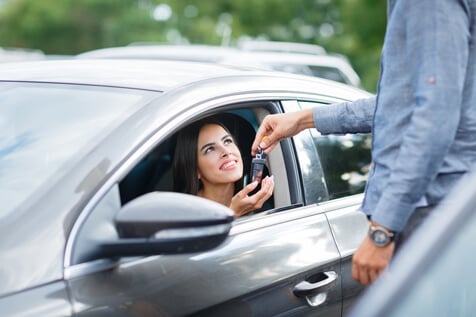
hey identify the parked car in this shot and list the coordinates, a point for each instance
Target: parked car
(90, 225)
(280, 46)
(185, 52)
(333, 67)
(433, 275)
(17, 54)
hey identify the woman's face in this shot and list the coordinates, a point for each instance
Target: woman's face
(219, 159)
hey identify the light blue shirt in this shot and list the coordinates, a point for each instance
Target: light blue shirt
(423, 118)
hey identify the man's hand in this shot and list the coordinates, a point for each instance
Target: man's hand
(370, 261)
(276, 127)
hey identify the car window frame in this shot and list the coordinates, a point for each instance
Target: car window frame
(288, 158)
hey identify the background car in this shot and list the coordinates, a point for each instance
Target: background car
(333, 67)
(16, 54)
(185, 52)
(89, 225)
(295, 59)
(433, 274)
(279, 46)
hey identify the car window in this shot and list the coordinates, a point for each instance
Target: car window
(345, 160)
(329, 73)
(36, 122)
(154, 172)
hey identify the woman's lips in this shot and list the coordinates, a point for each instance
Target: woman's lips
(228, 165)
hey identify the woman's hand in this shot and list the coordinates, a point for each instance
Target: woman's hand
(242, 204)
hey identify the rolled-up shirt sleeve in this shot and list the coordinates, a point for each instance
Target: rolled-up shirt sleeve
(345, 117)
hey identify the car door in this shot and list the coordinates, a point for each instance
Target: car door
(344, 161)
(276, 265)
(284, 261)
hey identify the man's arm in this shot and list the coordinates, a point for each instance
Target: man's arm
(345, 117)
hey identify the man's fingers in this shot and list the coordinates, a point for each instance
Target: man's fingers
(363, 275)
(370, 261)
(373, 274)
(263, 131)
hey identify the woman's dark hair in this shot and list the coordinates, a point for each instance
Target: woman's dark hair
(185, 159)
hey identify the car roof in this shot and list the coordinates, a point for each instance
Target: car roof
(291, 58)
(279, 46)
(268, 58)
(195, 52)
(142, 74)
(12, 54)
(151, 75)
(230, 56)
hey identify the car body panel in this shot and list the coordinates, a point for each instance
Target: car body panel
(42, 301)
(203, 278)
(265, 256)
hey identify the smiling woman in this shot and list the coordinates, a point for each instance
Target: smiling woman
(208, 163)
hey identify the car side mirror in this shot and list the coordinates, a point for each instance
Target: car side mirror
(168, 223)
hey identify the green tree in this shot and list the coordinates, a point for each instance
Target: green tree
(71, 26)
(361, 37)
(354, 28)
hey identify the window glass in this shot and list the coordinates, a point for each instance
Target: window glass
(328, 73)
(45, 127)
(345, 160)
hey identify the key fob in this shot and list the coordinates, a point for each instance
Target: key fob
(257, 166)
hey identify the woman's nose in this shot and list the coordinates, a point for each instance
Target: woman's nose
(225, 152)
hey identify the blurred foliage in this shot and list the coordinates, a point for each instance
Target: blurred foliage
(354, 28)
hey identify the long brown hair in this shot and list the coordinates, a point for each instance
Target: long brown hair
(185, 158)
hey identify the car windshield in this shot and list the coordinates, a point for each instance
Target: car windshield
(45, 127)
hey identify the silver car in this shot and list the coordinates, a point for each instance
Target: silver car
(329, 66)
(90, 225)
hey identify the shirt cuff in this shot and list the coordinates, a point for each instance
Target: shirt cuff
(392, 213)
(326, 119)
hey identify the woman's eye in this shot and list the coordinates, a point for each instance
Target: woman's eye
(208, 150)
(228, 141)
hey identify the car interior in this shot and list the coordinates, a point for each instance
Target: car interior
(154, 172)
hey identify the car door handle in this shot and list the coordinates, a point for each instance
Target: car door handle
(318, 283)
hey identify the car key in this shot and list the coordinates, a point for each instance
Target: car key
(257, 165)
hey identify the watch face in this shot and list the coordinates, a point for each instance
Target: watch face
(379, 237)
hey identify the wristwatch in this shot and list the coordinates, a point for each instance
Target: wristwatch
(380, 236)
